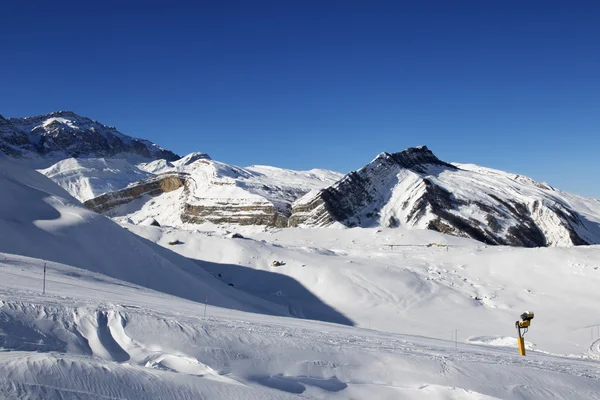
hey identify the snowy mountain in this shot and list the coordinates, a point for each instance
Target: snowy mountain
(413, 188)
(133, 178)
(140, 312)
(86, 178)
(196, 189)
(48, 138)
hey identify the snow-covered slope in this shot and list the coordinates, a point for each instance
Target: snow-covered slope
(46, 139)
(86, 178)
(92, 337)
(39, 219)
(414, 188)
(212, 191)
(110, 324)
(143, 345)
(411, 281)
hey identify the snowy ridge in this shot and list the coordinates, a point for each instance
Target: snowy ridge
(215, 192)
(86, 178)
(414, 188)
(46, 139)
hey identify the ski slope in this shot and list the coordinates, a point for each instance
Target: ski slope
(93, 337)
(138, 312)
(410, 287)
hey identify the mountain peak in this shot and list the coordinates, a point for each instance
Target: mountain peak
(64, 113)
(192, 158)
(64, 134)
(414, 188)
(413, 158)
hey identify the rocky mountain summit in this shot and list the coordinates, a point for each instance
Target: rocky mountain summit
(414, 188)
(63, 134)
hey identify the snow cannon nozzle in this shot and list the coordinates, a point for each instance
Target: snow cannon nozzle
(527, 316)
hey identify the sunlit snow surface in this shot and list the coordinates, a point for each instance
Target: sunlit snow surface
(145, 335)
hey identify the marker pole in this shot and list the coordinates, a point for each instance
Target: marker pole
(205, 302)
(44, 287)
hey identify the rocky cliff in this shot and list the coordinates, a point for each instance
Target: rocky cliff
(154, 186)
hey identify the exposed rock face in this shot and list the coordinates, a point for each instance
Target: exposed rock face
(234, 214)
(64, 134)
(358, 190)
(215, 192)
(414, 188)
(150, 187)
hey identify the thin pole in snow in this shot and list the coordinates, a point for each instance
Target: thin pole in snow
(206, 301)
(44, 287)
(456, 339)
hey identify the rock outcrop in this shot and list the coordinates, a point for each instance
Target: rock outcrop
(151, 187)
(215, 192)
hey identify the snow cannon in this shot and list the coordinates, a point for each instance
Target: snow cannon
(522, 328)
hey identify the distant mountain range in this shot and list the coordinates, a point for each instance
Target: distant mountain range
(138, 180)
(64, 134)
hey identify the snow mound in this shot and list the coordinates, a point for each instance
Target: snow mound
(499, 341)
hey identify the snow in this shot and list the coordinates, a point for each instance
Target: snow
(352, 313)
(228, 188)
(93, 337)
(484, 203)
(156, 166)
(59, 120)
(46, 139)
(39, 219)
(86, 178)
(398, 289)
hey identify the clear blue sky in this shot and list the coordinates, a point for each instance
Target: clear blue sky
(513, 85)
